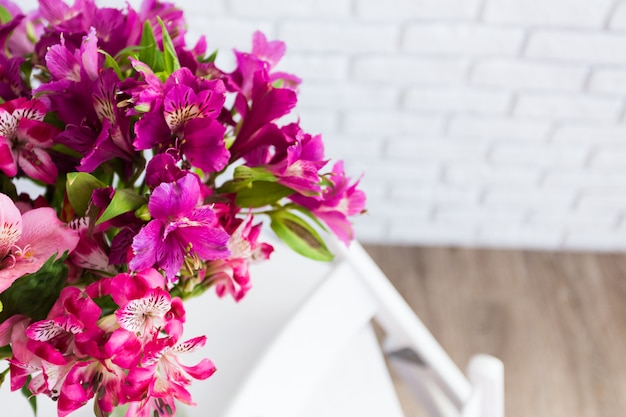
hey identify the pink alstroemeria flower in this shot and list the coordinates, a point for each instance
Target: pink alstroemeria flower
(293, 156)
(183, 115)
(231, 275)
(27, 241)
(23, 140)
(264, 57)
(180, 228)
(146, 308)
(339, 201)
(80, 360)
(161, 378)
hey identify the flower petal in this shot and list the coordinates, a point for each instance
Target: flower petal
(204, 145)
(146, 246)
(175, 199)
(10, 225)
(46, 234)
(45, 330)
(38, 165)
(7, 159)
(136, 315)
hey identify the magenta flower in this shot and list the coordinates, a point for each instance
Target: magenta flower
(180, 228)
(79, 360)
(27, 241)
(11, 84)
(45, 350)
(267, 105)
(85, 97)
(264, 57)
(339, 200)
(184, 116)
(171, 16)
(162, 168)
(90, 253)
(293, 156)
(115, 28)
(23, 140)
(161, 378)
(144, 303)
(231, 275)
(14, 34)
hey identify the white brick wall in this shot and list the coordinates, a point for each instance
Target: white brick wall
(477, 122)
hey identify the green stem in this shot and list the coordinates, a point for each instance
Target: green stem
(3, 375)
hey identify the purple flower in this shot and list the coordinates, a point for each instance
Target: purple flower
(183, 115)
(339, 200)
(11, 84)
(171, 16)
(85, 98)
(162, 168)
(265, 55)
(179, 229)
(115, 29)
(267, 105)
(293, 156)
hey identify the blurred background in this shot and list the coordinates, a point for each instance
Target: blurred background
(475, 122)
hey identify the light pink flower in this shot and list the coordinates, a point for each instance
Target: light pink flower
(231, 275)
(27, 241)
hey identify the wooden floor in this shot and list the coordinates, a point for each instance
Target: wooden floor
(556, 320)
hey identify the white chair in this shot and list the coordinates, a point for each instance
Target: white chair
(301, 344)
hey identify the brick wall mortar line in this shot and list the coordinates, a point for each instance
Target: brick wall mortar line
(576, 200)
(606, 24)
(523, 51)
(622, 115)
(554, 127)
(619, 221)
(512, 104)
(447, 124)
(480, 16)
(587, 80)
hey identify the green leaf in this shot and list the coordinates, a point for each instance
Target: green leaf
(32, 399)
(123, 201)
(79, 187)
(5, 15)
(34, 294)
(7, 187)
(310, 215)
(106, 304)
(149, 52)
(208, 59)
(243, 176)
(261, 193)
(110, 62)
(169, 52)
(4, 373)
(5, 352)
(126, 52)
(299, 235)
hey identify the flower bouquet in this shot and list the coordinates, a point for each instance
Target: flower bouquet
(153, 166)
